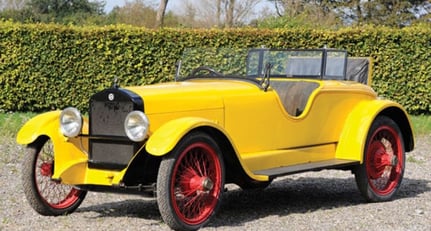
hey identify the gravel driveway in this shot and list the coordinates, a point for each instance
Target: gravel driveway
(325, 200)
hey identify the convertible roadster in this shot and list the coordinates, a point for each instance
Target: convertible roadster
(241, 116)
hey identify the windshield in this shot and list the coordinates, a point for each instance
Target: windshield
(261, 62)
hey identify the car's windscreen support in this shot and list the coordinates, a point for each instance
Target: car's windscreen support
(178, 69)
(266, 76)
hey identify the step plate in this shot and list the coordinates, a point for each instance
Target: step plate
(327, 164)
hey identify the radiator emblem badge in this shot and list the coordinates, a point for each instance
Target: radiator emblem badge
(111, 96)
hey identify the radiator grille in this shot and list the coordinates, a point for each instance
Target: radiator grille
(109, 146)
(107, 118)
(111, 155)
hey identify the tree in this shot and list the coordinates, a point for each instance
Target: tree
(379, 12)
(65, 7)
(292, 8)
(64, 11)
(141, 13)
(136, 13)
(161, 13)
(304, 14)
(385, 12)
(12, 4)
(58, 11)
(221, 13)
(229, 7)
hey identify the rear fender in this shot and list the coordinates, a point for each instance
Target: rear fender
(353, 137)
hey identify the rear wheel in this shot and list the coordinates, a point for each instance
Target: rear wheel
(190, 182)
(45, 195)
(379, 176)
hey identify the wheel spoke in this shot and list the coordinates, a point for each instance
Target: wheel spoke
(55, 194)
(194, 191)
(45, 195)
(384, 167)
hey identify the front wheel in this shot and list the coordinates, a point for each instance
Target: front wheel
(190, 182)
(46, 196)
(379, 176)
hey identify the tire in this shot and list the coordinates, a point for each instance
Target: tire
(190, 182)
(379, 176)
(46, 196)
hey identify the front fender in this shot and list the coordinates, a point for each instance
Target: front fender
(44, 124)
(353, 137)
(69, 153)
(164, 139)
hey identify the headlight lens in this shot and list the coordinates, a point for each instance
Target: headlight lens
(70, 122)
(136, 126)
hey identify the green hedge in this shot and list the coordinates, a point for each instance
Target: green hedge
(45, 67)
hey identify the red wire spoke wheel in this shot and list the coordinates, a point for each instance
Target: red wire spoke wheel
(380, 175)
(190, 183)
(46, 196)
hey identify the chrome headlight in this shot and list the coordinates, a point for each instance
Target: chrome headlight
(70, 122)
(136, 126)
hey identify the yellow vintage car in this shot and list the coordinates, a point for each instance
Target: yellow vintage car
(241, 116)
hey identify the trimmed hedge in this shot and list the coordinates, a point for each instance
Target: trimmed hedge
(44, 66)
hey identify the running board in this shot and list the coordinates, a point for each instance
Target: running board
(312, 166)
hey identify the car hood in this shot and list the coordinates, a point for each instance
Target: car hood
(190, 95)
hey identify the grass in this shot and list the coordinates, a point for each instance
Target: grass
(412, 159)
(10, 123)
(421, 124)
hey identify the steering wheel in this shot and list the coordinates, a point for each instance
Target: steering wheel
(211, 72)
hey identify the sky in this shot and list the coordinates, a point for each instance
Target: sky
(172, 4)
(112, 3)
(177, 6)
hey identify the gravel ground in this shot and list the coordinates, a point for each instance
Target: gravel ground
(325, 200)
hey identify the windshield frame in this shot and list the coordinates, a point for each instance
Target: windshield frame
(328, 64)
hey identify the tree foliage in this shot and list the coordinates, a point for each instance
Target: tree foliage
(219, 13)
(328, 14)
(12, 4)
(385, 12)
(57, 11)
(53, 66)
(392, 13)
(136, 13)
(302, 14)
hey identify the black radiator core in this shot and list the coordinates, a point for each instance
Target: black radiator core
(110, 148)
(107, 118)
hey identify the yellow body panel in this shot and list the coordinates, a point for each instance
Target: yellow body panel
(43, 124)
(354, 134)
(167, 136)
(278, 158)
(293, 140)
(263, 135)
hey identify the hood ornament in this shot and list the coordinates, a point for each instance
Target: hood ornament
(115, 84)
